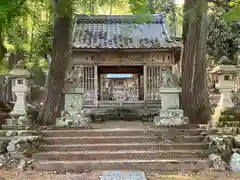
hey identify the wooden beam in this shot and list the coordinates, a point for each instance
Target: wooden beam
(121, 69)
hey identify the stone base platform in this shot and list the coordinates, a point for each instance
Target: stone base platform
(16, 127)
(122, 145)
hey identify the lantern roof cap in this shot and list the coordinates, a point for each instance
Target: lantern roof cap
(19, 71)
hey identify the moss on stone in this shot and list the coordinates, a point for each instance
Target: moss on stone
(221, 145)
(230, 111)
(226, 118)
(229, 115)
(229, 124)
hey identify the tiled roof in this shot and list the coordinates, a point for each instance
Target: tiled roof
(121, 32)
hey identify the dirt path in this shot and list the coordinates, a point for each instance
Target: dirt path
(33, 175)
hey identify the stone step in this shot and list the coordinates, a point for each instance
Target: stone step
(150, 125)
(150, 165)
(123, 146)
(121, 132)
(116, 155)
(120, 139)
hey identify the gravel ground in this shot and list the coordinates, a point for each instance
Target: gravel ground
(34, 175)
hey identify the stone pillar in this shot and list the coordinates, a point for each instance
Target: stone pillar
(225, 101)
(145, 81)
(170, 98)
(169, 113)
(19, 107)
(96, 85)
(225, 87)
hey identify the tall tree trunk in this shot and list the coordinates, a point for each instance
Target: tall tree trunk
(3, 50)
(195, 99)
(2, 78)
(174, 19)
(1, 58)
(59, 63)
(12, 60)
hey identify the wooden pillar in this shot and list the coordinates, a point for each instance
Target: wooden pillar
(99, 86)
(96, 85)
(145, 81)
(139, 87)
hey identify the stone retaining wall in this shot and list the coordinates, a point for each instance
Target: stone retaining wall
(224, 149)
(17, 148)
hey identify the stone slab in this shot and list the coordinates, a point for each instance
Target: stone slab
(123, 175)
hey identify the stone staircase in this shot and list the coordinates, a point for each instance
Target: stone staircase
(165, 149)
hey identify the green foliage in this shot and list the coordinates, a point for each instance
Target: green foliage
(173, 14)
(231, 8)
(9, 10)
(26, 25)
(42, 40)
(27, 30)
(3, 66)
(223, 38)
(63, 8)
(139, 6)
(101, 6)
(234, 13)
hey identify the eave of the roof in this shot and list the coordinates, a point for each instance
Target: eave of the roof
(126, 50)
(82, 18)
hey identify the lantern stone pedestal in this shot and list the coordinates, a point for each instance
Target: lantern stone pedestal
(18, 117)
(73, 114)
(170, 97)
(170, 114)
(225, 101)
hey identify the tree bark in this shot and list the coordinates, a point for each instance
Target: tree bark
(3, 50)
(58, 65)
(1, 58)
(1, 87)
(195, 101)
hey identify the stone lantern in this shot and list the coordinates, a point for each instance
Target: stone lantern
(19, 76)
(224, 75)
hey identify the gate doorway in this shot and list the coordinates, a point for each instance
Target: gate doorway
(120, 83)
